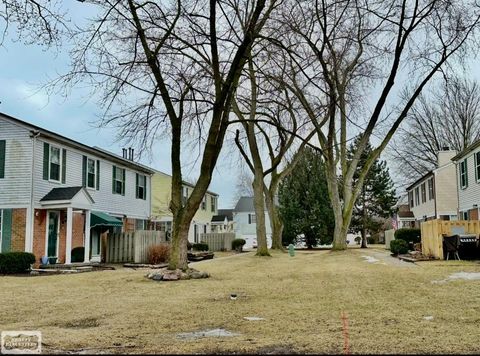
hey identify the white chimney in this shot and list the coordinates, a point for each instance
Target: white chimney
(445, 156)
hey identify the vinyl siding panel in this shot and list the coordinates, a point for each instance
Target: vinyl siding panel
(104, 199)
(471, 195)
(446, 183)
(15, 186)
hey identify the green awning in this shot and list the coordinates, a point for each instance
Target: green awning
(97, 218)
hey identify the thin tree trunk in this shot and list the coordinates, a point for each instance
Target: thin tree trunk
(364, 222)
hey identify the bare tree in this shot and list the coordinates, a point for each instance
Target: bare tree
(354, 47)
(273, 124)
(170, 67)
(36, 21)
(446, 116)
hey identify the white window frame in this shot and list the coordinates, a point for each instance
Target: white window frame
(116, 168)
(417, 196)
(252, 218)
(60, 153)
(144, 186)
(94, 174)
(423, 191)
(463, 174)
(213, 202)
(204, 203)
(431, 191)
(477, 165)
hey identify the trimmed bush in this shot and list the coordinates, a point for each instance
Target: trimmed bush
(78, 254)
(237, 244)
(398, 247)
(202, 246)
(158, 254)
(409, 235)
(16, 262)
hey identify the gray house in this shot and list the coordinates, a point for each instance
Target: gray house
(245, 223)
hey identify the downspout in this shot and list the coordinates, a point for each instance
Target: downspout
(33, 136)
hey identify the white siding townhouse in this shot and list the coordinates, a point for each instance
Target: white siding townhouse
(57, 194)
(467, 165)
(245, 223)
(434, 196)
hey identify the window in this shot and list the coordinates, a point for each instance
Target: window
(417, 196)
(477, 166)
(91, 173)
(55, 167)
(185, 195)
(140, 224)
(410, 199)
(2, 158)
(431, 192)
(204, 203)
(213, 201)
(118, 180)
(424, 193)
(463, 174)
(252, 219)
(465, 215)
(141, 188)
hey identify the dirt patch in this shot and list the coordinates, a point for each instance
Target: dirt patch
(465, 276)
(206, 333)
(81, 323)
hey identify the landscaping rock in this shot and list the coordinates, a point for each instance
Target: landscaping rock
(167, 275)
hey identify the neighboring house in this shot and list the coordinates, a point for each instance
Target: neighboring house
(403, 217)
(245, 222)
(57, 194)
(162, 216)
(434, 196)
(467, 165)
(223, 222)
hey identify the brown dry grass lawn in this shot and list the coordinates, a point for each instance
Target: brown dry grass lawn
(301, 299)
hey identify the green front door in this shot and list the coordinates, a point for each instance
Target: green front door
(53, 217)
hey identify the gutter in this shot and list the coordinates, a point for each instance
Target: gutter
(33, 135)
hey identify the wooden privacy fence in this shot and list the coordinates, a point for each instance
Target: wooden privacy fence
(132, 246)
(432, 231)
(218, 241)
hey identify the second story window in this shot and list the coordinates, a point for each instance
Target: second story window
(204, 203)
(477, 166)
(2, 158)
(213, 201)
(431, 192)
(424, 193)
(417, 196)
(252, 218)
(55, 167)
(410, 199)
(141, 187)
(463, 174)
(118, 180)
(91, 173)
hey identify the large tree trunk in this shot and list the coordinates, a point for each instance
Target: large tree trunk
(178, 252)
(364, 238)
(276, 223)
(259, 205)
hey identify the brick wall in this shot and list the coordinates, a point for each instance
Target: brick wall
(19, 220)
(39, 226)
(473, 214)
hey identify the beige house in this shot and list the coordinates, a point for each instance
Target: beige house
(467, 165)
(161, 216)
(434, 196)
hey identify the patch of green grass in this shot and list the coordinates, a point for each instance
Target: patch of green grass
(301, 298)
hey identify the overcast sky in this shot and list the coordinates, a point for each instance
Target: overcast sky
(23, 68)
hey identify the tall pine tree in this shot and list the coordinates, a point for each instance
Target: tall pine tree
(377, 197)
(305, 208)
